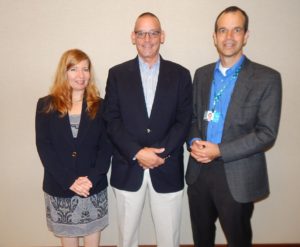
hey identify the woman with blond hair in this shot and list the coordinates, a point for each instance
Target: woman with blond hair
(75, 152)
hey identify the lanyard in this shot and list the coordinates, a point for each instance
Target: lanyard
(221, 91)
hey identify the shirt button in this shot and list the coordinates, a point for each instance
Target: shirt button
(148, 131)
(74, 154)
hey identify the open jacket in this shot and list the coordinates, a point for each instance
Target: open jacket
(250, 128)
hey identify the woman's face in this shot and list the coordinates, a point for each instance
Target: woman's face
(78, 76)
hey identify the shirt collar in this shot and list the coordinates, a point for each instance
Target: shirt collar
(231, 70)
(144, 65)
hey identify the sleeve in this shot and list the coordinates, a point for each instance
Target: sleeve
(104, 154)
(194, 131)
(178, 130)
(46, 150)
(119, 136)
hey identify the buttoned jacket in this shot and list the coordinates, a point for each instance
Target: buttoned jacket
(130, 128)
(65, 158)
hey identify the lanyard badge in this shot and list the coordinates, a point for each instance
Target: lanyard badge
(213, 116)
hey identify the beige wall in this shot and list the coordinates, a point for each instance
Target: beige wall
(33, 35)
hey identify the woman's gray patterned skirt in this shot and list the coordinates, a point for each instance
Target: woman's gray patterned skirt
(76, 216)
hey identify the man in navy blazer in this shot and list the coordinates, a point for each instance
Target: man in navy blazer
(235, 120)
(148, 107)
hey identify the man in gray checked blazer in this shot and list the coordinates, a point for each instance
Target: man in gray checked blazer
(236, 116)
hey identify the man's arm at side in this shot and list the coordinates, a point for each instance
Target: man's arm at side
(178, 131)
(119, 136)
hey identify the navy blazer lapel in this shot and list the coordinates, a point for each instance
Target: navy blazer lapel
(241, 89)
(85, 121)
(136, 90)
(63, 125)
(163, 84)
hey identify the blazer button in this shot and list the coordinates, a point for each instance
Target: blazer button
(74, 154)
(148, 131)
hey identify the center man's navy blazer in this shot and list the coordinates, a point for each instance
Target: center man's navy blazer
(130, 128)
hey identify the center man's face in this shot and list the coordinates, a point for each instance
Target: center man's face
(147, 37)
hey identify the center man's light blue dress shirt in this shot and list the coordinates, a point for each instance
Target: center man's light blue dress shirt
(149, 80)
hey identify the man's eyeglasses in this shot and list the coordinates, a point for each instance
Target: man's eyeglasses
(151, 34)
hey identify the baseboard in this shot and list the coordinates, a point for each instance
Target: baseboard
(224, 245)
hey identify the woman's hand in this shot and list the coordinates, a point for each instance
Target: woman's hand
(82, 186)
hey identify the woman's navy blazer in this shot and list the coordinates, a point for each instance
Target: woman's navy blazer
(66, 158)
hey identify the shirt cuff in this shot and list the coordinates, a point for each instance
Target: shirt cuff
(194, 139)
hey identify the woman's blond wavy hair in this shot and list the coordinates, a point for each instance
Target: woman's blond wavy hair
(61, 92)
